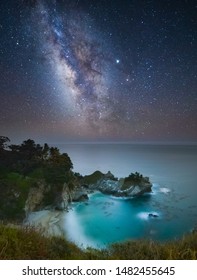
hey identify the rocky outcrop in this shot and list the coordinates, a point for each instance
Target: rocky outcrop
(80, 194)
(151, 215)
(43, 196)
(133, 185)
(77, 194)
(106, 186)
(36, 195)
(114, 187)
(137, 190)
(110, 176)
(62, 199)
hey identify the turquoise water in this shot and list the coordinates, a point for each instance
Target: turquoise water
(106, 219)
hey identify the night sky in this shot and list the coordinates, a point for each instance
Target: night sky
(106, 70)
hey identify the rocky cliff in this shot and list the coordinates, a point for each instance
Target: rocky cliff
(44, 196)
(112, 187)
(20, 196)
(133, 185)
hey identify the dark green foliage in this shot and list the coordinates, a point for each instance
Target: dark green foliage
(14, 190)
(78, 175)
(93, 178)
(30, 157)
(29, 150)
(57, 167)
(55, 175)
(37, 173)
(23, 165)
(135, 179)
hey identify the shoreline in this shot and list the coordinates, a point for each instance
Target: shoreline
(67, 224)
(75, 233)
(56, 223)
(48, 221)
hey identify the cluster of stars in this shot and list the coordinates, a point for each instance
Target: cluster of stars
(93, 69)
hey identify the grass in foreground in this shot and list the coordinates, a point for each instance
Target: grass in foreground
(27, 243)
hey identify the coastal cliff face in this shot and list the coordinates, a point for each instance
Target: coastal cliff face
(36, 195)
(45, 196)
(35, 177)
(21, 196)
(135, 185)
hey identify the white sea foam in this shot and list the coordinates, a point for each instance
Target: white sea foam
(75, 233)
(90, 195)
(164, 190)
(49, 221)
(145, 215)
(154, 189)
(119, 197)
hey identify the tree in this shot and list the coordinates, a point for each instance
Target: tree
(60, 160)
(67, 161)
(45, 152)
(15, 148)
(58, 167)
(135, 178)
(54, 156)
(29, 150)
(26, 157)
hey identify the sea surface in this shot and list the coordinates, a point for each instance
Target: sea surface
(106, 219)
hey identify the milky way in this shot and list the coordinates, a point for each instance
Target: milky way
(75, 53)
(86, 70)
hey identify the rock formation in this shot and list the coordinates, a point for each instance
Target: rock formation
(42, 195)
(114, 187)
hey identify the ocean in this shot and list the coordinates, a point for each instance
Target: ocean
(104, 219)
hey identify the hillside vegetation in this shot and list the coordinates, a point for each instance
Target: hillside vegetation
(26, 166)
(27, 243)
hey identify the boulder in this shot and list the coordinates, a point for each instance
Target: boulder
(151, 215)
(138, 190)
(80, 195)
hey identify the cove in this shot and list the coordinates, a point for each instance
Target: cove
(172, 170)
(106, 219)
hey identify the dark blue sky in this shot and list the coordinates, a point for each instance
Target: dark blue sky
(98, 70)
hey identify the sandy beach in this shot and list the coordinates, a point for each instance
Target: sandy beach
(51, 222)
(56, 223)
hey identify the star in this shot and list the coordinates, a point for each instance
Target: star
(99, 69)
